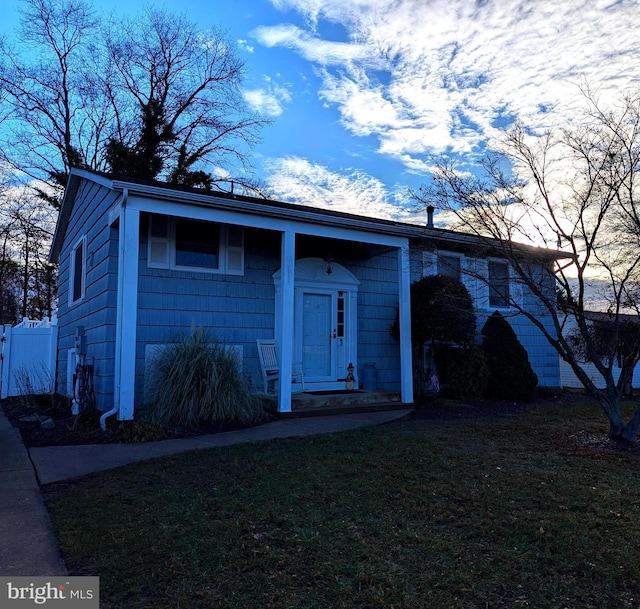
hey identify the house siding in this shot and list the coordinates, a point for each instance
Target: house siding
(377, 306)
(542, 356)
(96, 312)
(233, 309)
(238, 309)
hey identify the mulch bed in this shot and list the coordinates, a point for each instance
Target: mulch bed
(441, 410)
(603, 443)
(70, 429)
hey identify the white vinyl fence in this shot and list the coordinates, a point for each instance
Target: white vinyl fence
(569, 379)
(28, 357)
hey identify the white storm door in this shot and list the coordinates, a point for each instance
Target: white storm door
(317, 318)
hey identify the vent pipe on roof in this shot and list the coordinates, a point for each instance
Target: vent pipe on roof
(430, 211)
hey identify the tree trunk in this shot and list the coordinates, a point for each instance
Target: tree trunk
(610, 403)
(633, 426)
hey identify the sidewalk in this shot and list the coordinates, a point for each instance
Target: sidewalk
(28, 545)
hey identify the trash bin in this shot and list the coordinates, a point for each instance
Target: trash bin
(370, 377)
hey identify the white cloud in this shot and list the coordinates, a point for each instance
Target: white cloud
(297, 180)
(428, 76)
(269, 101)
(309, 46)
(244, 44)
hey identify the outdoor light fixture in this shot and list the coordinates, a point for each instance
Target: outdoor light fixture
(329, 261)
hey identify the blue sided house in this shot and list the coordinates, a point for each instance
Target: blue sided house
(142, 262)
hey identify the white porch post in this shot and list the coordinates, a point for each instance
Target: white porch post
(127, 312)
(284, 339)
(404, 287)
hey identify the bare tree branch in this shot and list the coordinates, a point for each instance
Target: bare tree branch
(576, 189)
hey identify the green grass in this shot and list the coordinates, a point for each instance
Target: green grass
(488, 513)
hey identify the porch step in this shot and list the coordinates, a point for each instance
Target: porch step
(335, 402)
(324, 399)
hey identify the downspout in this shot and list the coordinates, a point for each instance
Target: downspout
(119, 314)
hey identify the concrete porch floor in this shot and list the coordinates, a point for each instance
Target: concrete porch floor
(337, 402)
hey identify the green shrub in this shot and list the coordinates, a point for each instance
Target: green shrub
(196, 380)
(441, 313)
(511, 376)
(463, 372)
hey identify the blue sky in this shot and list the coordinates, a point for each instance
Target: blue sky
(362, 92)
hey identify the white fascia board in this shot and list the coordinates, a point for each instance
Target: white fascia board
(250, 219)
(93, 177)
(314, 217)
(73, 184)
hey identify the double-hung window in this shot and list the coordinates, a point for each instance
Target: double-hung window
(77, 271)
(195, 245)
(450, 265)
(498, 284)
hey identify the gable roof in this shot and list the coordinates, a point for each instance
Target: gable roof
(270, 207)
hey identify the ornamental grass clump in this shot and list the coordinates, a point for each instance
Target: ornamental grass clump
(196, 381)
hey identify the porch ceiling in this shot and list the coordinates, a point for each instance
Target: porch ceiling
(308, 246)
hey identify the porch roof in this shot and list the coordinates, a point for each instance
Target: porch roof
(271, 208)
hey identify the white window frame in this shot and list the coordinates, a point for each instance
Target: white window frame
(225, 249)
(82, 242)
(509, 282)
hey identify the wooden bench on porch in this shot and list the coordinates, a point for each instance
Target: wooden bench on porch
(267, 352)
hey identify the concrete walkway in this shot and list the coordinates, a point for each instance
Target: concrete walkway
(28, 545)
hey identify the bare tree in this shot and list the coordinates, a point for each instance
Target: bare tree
(152, 97)
(176, 94)
(575, 189)
(49, 98)
(27, 279)
(9, 278)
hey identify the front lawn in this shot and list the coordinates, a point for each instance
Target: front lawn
(487, 513)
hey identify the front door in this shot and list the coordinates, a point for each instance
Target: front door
(325, 322)
(317, 318)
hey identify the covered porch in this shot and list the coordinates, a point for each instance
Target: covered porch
(332, 316)
(325, 282)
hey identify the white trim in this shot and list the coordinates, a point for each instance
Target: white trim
(284, 334)
(127, 313)
(404, 319)
(269, 222)
(82, 241)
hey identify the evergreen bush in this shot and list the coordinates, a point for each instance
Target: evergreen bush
(463, 371)
(442, 313)
(510, 374)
